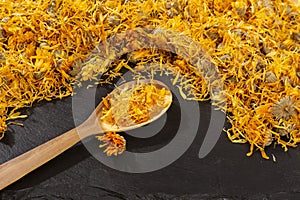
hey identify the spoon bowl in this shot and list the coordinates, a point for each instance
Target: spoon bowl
(18, 167)
(109, 127)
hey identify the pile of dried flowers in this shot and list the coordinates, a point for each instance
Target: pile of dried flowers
(254, 44)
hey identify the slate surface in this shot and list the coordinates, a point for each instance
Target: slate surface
(226, 173)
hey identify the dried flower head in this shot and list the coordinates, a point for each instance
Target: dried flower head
(270, 77)
(173, 8)
(114, 20)
(285, 130)
(284, 109)
(240, 8)
(267, 138)
(115, 143)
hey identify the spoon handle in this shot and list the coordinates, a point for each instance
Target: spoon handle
(18, 167)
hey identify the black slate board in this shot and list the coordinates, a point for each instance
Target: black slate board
(226, 173)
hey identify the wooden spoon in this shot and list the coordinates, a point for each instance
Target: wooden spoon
(18, 167)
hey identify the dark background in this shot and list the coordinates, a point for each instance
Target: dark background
(226, 173)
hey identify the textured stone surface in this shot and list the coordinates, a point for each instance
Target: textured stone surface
(226, 173)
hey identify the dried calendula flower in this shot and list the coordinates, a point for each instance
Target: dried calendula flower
(285, 130)
(270, 77)
(38, 75)
(267, 138)
(172, 4)
(114, 143)
(114, 20)
(172, 7)
(213, 33)
(284, 109)
(240, 7)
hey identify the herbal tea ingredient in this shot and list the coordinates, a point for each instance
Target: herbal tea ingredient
(115, 144)
(254, 45)
(128, 107)
(135, 105)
